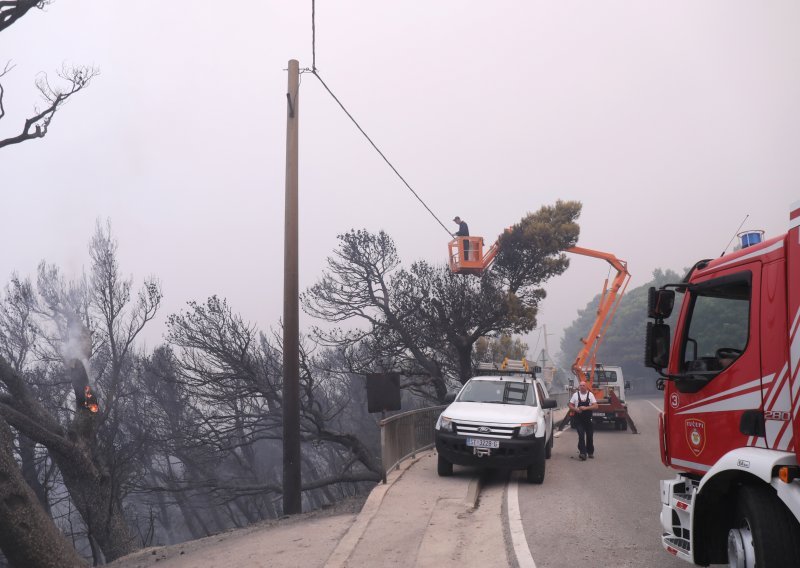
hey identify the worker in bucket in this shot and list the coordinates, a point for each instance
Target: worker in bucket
(582, 404)
(463, 231)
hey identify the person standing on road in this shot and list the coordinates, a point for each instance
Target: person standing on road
(583, 403)
(463, 231)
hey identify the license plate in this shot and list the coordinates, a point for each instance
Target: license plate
(483, 443)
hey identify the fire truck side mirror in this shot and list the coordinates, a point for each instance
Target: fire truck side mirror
(660, 303)
(656, 350)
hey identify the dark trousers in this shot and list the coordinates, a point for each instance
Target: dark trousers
(585, 430)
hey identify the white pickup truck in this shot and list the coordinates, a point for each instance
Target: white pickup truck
(501, 420)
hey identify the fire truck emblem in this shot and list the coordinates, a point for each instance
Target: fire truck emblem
(696, 435)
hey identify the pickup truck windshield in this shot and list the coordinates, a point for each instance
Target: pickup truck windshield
(500, 392)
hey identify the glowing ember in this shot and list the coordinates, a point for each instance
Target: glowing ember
(89, 400)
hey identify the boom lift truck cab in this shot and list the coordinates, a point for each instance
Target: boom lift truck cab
(730, 423)
(610, 381)
(501, 418)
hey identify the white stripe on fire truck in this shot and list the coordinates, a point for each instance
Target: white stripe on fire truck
(692, 465)
(775, 387)
(778, 402)
(794, 347)
(794, 356)
(784, 437)
(755, 254)
(795, 406)
(769, 398)
(781, 440)
(742, 401)
(756, 384)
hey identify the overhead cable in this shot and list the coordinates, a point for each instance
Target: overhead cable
(350, 116)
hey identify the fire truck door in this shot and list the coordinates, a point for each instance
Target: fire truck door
(720, 360)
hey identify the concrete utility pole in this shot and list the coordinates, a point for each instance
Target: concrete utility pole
(291, 304)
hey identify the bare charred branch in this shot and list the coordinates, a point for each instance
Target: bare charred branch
(75, 78)
(13, 10)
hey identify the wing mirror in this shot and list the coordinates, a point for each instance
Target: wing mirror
(549, 403)
(660, 303)
(656, 350)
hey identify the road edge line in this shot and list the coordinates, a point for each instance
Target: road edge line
(654, 406)
(518, 541)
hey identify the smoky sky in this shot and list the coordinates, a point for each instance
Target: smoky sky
(670, 122)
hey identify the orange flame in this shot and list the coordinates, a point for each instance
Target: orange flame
(89, 400)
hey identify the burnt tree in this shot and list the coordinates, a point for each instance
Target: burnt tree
(424, 321)
(28, 536)
(84, 326)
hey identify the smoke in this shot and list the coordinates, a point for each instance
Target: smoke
(77, 345)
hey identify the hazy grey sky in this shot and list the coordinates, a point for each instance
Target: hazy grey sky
(670, 121)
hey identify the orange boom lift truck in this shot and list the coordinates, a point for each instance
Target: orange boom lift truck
(585, 367)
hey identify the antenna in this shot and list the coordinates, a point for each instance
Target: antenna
(734, 234)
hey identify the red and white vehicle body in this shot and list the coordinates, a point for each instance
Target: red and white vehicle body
(731, 402)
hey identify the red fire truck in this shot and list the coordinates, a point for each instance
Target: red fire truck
(730, 423)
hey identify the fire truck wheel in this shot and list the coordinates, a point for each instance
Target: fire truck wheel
(536, 470)
(548, 449)
(444, 468)
(623, 424)
(765, 533)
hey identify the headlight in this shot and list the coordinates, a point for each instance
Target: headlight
(527, 429)
(444, 424)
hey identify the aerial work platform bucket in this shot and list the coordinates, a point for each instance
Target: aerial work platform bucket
(467, 257)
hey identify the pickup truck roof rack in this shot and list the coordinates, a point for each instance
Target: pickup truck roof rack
(508, 367)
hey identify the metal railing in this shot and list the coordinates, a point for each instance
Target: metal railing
(405, 434)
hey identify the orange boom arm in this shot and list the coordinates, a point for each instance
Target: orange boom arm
(585, 362)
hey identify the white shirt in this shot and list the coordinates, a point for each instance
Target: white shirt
(574, 400)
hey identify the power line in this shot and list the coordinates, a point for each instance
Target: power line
(316, 74)
(350, 116)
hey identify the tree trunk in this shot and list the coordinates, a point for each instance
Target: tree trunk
(27, 450)
(92, 492)
(464, 361)
(28, 536)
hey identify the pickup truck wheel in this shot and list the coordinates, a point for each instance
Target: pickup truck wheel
(548, 450)
(536, 469)
(443, 467)
(764, 533)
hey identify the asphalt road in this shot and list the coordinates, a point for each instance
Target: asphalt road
(601, 512)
